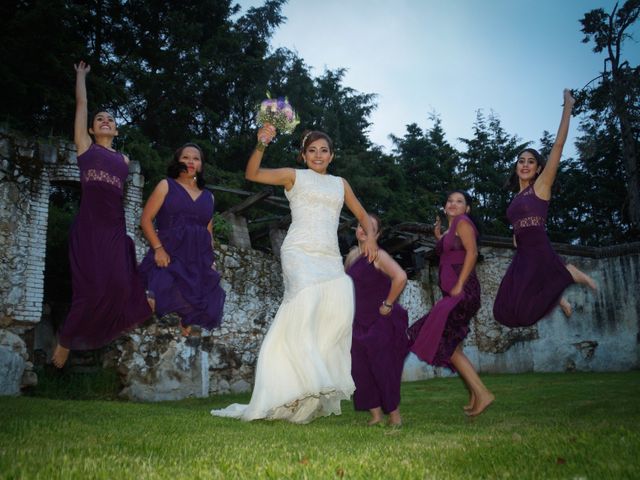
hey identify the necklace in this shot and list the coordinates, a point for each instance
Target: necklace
(191, 183)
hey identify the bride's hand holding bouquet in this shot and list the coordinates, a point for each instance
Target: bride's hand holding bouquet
(266, 133)
(275, 115)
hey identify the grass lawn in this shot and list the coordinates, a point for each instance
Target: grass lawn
(571, 425)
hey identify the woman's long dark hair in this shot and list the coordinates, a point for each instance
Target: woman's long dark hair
(513, 184)
(175, 167)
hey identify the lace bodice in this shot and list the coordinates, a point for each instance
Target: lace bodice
(103, 175)
(93, 175)
(527, 210)
(316, 201)
(101, 166)
(310, 252)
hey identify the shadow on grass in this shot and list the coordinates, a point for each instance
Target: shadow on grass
(105, 385)
(102, 384)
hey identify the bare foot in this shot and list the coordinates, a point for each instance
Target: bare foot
(394, 419)
(482, 403)
(60, 355)
(376, 416)
(472, 400)
(186, 331)
(152, 304)
(566, 307)
(580, 277)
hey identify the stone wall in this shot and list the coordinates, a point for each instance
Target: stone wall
(157, 363)
(601, 335)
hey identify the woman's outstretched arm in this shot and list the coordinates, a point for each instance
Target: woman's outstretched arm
(548, 175)
(80, 133)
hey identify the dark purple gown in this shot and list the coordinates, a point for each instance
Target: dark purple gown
(108, 294)
(379, 343)
(435, 336)
(537, 276)
(189, 286)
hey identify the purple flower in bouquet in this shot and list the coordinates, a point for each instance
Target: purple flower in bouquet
(279, 113)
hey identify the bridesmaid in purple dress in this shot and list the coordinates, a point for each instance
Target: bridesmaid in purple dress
(379, 340)
(437, 337)
(179, 269)
(537, 276)
(108, 294)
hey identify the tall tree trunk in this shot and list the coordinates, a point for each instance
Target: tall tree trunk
(629, 152)
(619, 89)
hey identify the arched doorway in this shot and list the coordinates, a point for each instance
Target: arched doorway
(64, 202)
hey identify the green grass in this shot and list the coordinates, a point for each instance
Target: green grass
(580, 425)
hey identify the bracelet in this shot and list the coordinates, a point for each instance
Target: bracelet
(159, 246)
(260, 146)
(385, 304)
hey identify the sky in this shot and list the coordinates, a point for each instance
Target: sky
(451, 58)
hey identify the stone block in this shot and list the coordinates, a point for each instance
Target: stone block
(13, 356)
(29, 377)
(48, 153)
(5, 149)
(240, 386)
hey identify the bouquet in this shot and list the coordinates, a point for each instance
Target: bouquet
(279, 113)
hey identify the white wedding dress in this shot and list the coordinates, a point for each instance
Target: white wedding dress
(304, 366)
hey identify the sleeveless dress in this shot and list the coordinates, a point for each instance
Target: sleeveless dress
(379, 342)
(537, 276)
(304, 365)
(108, 293)
(188, 286)
(435, 336)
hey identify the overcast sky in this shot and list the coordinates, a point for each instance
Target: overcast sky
(451, 57)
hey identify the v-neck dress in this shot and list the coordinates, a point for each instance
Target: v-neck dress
(190, 285)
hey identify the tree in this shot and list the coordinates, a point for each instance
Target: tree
(486, 165)
(617, 93)
(37, 42)
(429, 164)
(591, 188)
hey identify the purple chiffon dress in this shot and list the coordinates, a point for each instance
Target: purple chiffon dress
(537, 276)
(189, 286)
(435, 336)
(108, 294)
(379, 343)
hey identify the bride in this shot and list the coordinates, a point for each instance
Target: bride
(304, 365)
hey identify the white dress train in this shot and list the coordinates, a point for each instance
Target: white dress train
(304, 365)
